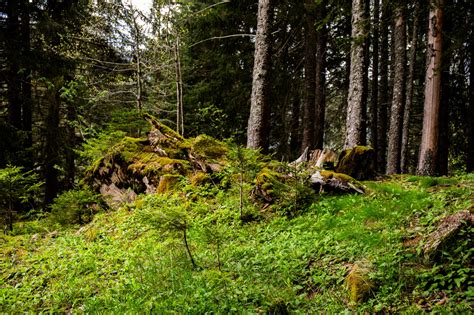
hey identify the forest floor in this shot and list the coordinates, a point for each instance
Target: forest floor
(346, 253)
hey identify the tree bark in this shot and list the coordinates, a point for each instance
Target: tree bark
(320, 102)
(404, 155)
(258, 123)
(398, 99)
(12, 51)
(430, 133)
(310, 46)
(383, 99)
(355, 131)
(470, 139)
(375, 81)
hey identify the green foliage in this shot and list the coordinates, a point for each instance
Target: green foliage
(95, 148)
(135, 261)
(76, 207)
(16, 187)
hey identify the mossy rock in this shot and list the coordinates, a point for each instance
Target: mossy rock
(266, 182)
(330, 181)
(200, 178)
(205, 147)
(167, 182)
(358, 162)
(358, 283)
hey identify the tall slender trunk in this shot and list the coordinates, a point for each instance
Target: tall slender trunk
(13, 78)
(320, 102)
(470, 139)
(179, 90)
(398, 100)
(430, 133)
(404, 154)
(310, 46)
(258, 123)
(355, 126)
(52, 146)
(26, 97)
(383, 99)
(375, 80)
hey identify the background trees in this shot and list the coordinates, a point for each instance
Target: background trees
(73, 71)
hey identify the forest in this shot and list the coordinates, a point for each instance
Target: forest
(237, 156)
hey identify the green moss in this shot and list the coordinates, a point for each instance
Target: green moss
(167, 182)
(162, 127)
(358, 283)
(200, 178)
(357, 162)
(205, 147)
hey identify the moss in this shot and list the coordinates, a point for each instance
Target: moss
(200, 178)
(167, 182)
(205, 147)
(357, 162)
(358, 283)
(150, 164)
(162, 127)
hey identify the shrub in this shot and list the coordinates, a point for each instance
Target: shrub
(76, 207)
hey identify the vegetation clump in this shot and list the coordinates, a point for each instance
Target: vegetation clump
(357, 162)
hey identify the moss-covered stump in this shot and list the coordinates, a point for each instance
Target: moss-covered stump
(154, 164)
(358, 162)
(329, 181)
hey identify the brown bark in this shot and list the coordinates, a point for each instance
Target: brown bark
(310, 44)
(470, 141)
(355, 126)
(258, 123)
(409, 97)
(383, 99)
(320, 102)
(375, 80)
(430, 134)
(13, 78)
(398, 99)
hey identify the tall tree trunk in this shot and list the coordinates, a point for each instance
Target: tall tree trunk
(27, 113)
(320, 102)
(404, 155)
(52, 146)
(310, 44)
(430, 134)
(383, 99)
(470, 139)
(398, 100)
(13, 78)
(355, 126)
(375, 80)
(258, 123)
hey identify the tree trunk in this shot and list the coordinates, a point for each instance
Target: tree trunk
(320, 103)
(398, 100)
(404, 155)
(258, 123)
(13, 79)
(430, 133)
(375, 81)
(310, 44)
(355, 131)
(383, 99)
(52, 146)
(470, 139)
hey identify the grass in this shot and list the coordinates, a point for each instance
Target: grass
(120, 264)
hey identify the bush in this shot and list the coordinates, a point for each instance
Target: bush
(76, 207)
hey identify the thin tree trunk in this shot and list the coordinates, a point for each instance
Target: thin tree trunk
(320, 104)
(13, 79)
(185, 238)
(383, 99)
(398, 100)
(355, 131)
(310, 46)
(375, 80)
(27, 119)
(410, 85)
(258, 123)
(430, 134)
(470, 139)
(52, 145)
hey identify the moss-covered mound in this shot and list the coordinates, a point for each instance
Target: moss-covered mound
(155, 163)
(357, 162)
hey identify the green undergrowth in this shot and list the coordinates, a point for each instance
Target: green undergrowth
(134, 260)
